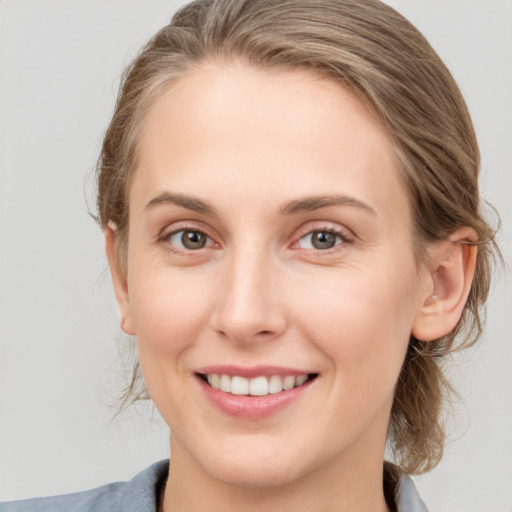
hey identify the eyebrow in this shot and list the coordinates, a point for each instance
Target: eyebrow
(308, 204)
(189, 203)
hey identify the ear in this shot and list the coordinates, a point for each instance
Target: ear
(119, 281)
(451, 269)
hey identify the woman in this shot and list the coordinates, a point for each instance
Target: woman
(289, 197)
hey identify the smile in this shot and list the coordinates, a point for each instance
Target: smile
(261, 385)
(256, 392)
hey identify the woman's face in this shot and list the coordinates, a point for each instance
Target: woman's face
(270, 241)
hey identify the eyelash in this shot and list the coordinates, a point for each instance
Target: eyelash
(165, 239)
(339, 234)
(342, 235)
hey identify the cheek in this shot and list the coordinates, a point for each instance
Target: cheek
(362, 322)
(169, 311)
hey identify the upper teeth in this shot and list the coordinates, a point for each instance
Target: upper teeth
(259, 386)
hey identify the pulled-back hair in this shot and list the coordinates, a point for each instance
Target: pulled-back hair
(375, 52)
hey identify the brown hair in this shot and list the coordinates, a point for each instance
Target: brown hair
(371, 49)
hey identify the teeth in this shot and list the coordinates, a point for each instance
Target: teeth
(288, 382)
(275, 384)
(213, 380)
(225, 383)
(300, 380)
(239, 385)
(259, 386)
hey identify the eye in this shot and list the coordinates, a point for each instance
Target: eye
(320, 240)
(189, 239)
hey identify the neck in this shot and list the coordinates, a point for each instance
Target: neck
(337, 486)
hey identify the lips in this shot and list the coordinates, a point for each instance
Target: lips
(253, 392)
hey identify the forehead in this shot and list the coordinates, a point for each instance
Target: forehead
(215, 99)
(236, 126)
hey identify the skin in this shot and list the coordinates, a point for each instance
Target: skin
(249, 144)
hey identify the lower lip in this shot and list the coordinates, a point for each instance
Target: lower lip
(252, 407)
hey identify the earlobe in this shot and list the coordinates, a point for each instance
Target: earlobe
(451, 273)
(119, 282)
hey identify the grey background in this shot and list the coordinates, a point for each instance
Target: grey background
(59, 335)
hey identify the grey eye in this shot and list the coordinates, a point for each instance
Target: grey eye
(320, 240)
(189, 239)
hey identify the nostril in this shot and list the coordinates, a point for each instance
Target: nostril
(246, 323)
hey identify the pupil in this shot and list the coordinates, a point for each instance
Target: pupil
(323, 240)
(193, 239)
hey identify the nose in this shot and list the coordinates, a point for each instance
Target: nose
(250, 306)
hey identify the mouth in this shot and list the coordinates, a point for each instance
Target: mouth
(256, 392)
(257, 386)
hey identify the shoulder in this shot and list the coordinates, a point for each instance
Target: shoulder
(105, 498)
(407, 497)
(400, 491)
(138, 494)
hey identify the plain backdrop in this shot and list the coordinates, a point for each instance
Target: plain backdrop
(59, 334)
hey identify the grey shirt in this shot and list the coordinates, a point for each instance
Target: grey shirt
(140, 495)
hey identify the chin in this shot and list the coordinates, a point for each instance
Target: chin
(253, 466)
(257, 475)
